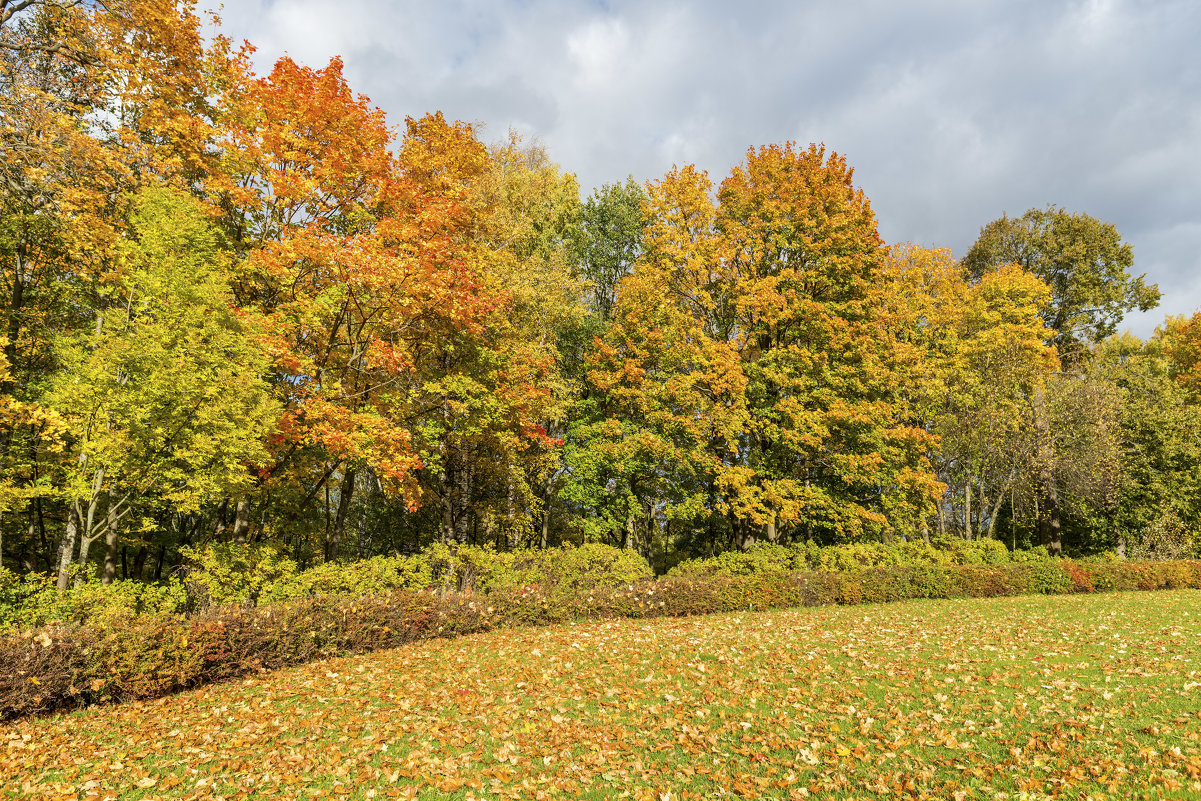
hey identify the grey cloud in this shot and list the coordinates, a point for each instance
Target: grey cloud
(951, 112)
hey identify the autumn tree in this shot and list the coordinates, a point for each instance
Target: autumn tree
(977, 351)
(608, 240)
(1087, 266)
(830, 454)
(1082, 259)
(752, 337)
(96, 101)
(164, 398)
(357, 257)
(666, 387)
(530, 210)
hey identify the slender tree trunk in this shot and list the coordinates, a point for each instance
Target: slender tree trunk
(345, 494)
(448, 509)
(546, 521)
(1049, 525)
(15, 302)
(41, 532)
(463, 503)
(110, 545)
(996, 511)
(222, 510)
(66, 549)
(242, 520)
(982, 505)
(967, 506)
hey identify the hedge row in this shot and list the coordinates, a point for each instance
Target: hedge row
(149, 656)
(225, 574)
(857, 556)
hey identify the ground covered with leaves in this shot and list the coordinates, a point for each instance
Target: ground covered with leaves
(1069, 696)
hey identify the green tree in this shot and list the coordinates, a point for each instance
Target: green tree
(1082, 259)
(165, 398)
(608, 240)
(1087, 266)
(1160, 429)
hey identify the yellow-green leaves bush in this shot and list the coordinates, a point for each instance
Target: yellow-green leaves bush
(852, 557)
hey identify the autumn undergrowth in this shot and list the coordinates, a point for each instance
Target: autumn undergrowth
(1081, 696)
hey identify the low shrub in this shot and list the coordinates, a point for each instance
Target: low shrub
(250, 575)
(851, 557)
(147, 655)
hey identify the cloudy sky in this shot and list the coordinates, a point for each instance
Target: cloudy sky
(951, 111)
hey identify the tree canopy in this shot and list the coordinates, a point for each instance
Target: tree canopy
(249, 308)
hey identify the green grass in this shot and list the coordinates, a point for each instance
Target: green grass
(1071, 696)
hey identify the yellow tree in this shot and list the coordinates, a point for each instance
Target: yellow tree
(95, 100)
(164, 397)
(828, 453)
(529, 208)
(753, 342)
(980, 353)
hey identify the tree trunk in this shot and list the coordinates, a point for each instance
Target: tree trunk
(996, 511)
(242, 521)
(982, 505)
(448, 509)
(1049, 525)
(967, 507)
(546, 522)
(222, 510)
(15, 303)
(110, 545)
(345, 494)
(463, 503)
(66, 549)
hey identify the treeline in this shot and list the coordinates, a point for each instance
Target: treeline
(244, 309)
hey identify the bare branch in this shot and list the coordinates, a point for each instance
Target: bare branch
(10, 8)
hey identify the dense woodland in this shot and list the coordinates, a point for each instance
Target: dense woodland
(246, 308)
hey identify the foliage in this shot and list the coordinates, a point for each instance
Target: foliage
(122, 656)
(849, 557)
(222, 574)
(1082, 259)
(248, 308)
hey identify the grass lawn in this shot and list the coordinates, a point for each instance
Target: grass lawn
(1086, 696)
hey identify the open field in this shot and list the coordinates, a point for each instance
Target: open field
(1069, 696)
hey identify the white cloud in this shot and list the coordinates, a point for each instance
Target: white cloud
(950, 112)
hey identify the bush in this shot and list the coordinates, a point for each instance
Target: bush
(33, 601)
(126, 654)
(225, 573)
(852, 557)
(376, 576)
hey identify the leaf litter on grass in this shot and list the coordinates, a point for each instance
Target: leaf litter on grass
(1093, 696)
